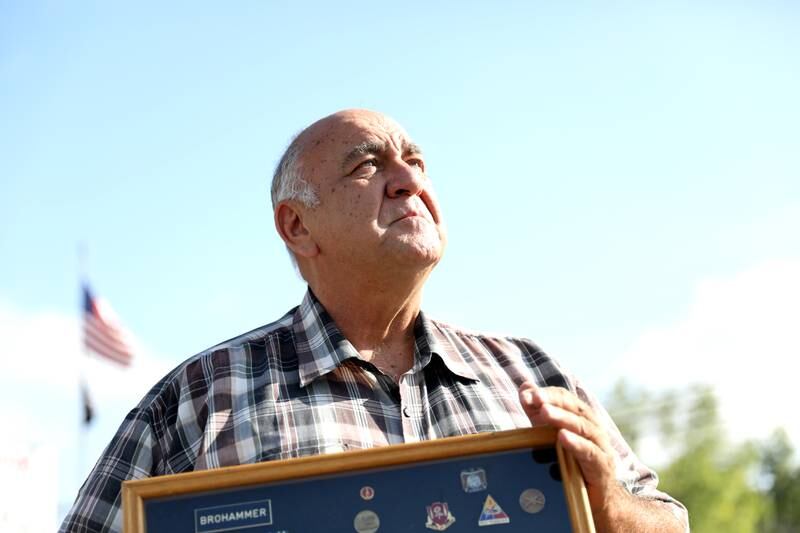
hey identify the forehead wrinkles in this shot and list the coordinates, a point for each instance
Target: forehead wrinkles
(376, 129)
(334, 143)
(378, 133)
(394, 134)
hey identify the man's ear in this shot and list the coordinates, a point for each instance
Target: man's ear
(290, 226)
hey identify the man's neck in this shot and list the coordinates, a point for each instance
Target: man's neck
(377, 319)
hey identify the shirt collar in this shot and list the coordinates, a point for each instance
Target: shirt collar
(318, 343)
(431, 340)
(321, 347)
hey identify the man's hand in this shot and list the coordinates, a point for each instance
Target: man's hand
(584, 437)
(580, 434)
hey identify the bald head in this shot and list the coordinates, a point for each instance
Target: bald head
(327, 128)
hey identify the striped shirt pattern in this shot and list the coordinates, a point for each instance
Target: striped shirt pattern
(297, 387)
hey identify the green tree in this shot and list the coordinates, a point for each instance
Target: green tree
(707, 474)
(784, 485)
(625, 404)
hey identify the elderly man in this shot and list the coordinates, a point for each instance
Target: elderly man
(357, 364)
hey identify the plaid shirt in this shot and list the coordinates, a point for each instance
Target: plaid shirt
(298, 387)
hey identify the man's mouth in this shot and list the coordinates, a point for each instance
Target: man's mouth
(412, 213)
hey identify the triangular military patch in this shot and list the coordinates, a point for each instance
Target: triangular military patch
(492, 513)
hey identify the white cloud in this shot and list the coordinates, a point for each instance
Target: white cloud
(43, 350)
(41, 360)
(29, 504)
(741, 334)
(38, 348)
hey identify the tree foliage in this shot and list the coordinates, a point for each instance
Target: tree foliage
(784, 485)
(736, 488)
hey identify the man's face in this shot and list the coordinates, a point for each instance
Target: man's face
(377, 207)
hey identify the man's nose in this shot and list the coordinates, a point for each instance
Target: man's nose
(405, 180)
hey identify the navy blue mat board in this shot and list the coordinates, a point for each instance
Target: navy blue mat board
(510, 491)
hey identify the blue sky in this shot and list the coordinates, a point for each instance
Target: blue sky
(600, 167)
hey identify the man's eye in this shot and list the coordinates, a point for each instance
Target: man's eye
(368, 163)
(416, 163)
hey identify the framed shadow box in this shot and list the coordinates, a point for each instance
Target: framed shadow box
(513, 481)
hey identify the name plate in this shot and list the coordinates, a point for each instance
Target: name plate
(515, 481)
(233, 517)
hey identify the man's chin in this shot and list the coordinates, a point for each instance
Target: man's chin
(422, 252)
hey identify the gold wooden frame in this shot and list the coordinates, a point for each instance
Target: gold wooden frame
(134, 493)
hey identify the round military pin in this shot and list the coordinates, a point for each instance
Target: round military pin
(366, 522)
(531, 500)
(367, 493)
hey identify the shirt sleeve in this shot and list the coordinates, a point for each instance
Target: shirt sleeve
(635, 476)
(129, 456)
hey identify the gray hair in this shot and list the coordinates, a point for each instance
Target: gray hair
(288, 182)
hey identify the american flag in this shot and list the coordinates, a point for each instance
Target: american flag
(101, 333)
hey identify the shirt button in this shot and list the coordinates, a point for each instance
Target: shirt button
(405, 412)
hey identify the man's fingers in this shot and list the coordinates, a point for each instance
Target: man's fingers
(533, 398)
(564, 399)
(561, 409)
(560, 418)
(595, 465)
(527, 396)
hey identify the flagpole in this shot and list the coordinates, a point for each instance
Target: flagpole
(83, 386)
